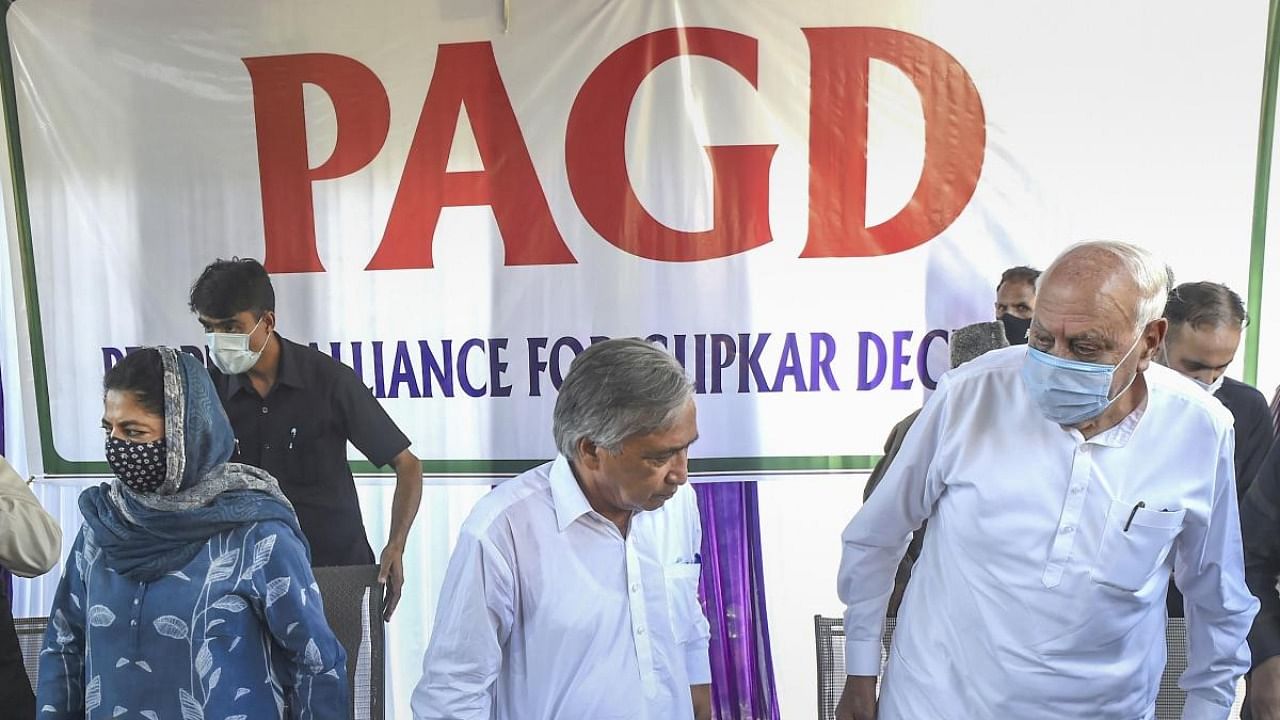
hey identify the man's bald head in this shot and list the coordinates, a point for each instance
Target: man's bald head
(1124, 273)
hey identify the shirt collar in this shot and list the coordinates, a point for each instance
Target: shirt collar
(290, 359)
(240, 383)
(566, 494)
(1119, 435)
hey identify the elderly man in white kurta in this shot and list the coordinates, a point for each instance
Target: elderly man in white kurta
(558, 602)
(1040, 591)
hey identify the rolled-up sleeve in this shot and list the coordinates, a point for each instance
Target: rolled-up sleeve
(1209, 570)
(877, 537)
(30, 539)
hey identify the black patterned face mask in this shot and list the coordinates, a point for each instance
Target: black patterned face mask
(140, 466)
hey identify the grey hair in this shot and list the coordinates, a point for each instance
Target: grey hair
(617, 389)
(1150, 275)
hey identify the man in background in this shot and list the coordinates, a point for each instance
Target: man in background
(1260, 530)
(1016, 302)
(1206, 321)
(293, 410)
(30, 545)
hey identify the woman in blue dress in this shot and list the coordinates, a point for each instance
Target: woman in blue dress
(188, 593)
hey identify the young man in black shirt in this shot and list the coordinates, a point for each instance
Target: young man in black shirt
(293, 409)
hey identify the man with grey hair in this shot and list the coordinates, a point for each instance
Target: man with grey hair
(555, 602)
(1041, 586)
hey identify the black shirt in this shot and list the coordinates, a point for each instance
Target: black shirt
(299, 434)
(1260, 528)
(1253, 429)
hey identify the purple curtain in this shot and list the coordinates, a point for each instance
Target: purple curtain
(732, 588)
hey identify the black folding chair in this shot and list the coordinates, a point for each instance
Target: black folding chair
(353, 607)
(30, 638)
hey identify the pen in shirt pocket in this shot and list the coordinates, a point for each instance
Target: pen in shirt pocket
(1141, 504)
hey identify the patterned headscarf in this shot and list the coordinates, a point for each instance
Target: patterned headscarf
(145, 535)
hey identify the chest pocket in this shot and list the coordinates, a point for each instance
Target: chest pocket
(682, 600)
(1135, 545)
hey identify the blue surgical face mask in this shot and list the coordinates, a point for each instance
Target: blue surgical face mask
(1070, 392)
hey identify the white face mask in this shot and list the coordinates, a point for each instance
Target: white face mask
(231, 352)
(1213, 387)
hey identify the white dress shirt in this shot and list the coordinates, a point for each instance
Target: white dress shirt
(548, 612)
(1040, 591)
(677, 528)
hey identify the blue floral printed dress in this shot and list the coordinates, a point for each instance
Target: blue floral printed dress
(196, 604)
(227, 637)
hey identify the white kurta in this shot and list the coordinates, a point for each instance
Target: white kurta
(1040, 591)
(548, 612)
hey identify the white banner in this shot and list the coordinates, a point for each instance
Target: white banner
(798, 198)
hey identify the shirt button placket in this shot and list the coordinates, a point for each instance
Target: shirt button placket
(1081, 466)
(135, 614)
(266, 410)
(639, 618)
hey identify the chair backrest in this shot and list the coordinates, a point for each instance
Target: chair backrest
(30, 638)
(353, 607)
(829, 635)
